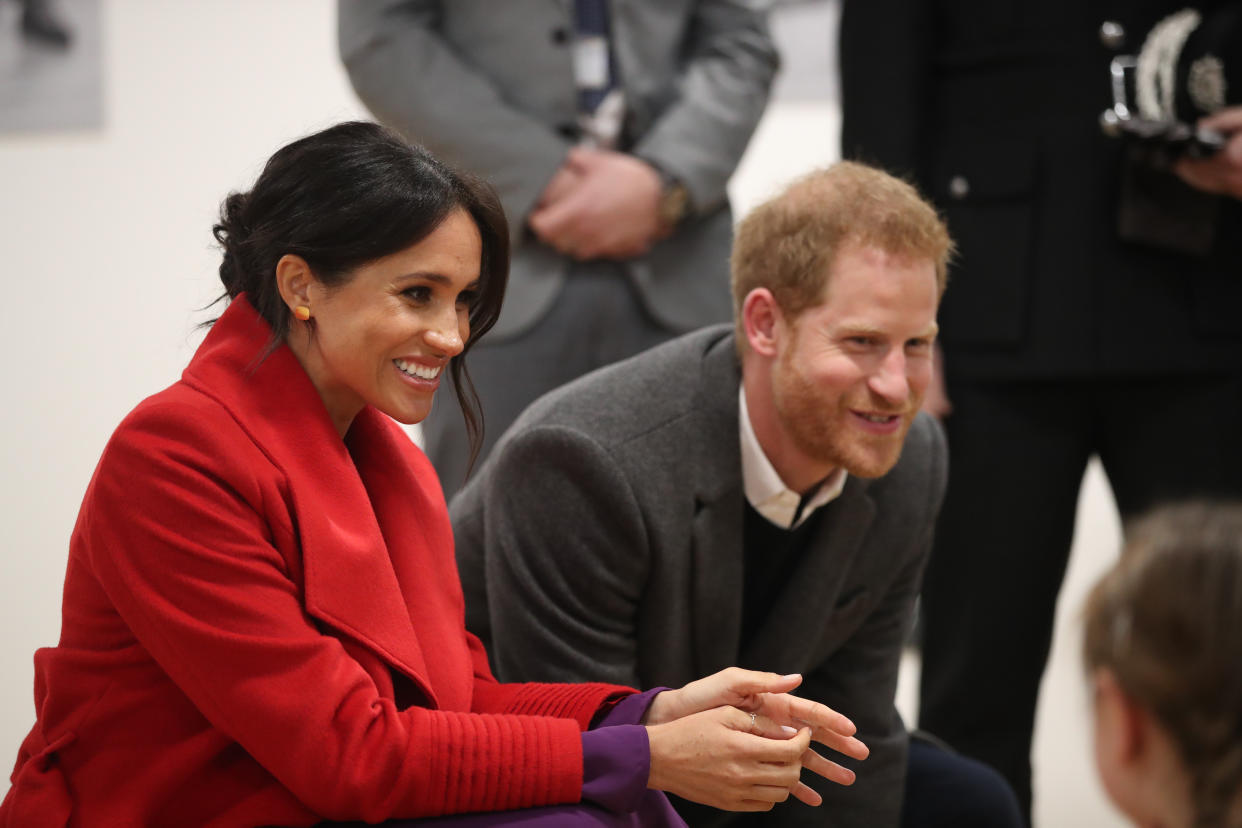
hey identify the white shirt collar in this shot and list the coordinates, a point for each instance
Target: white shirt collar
(765, 491)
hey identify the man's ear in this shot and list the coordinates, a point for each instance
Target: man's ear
(294, 280)
(763, 322)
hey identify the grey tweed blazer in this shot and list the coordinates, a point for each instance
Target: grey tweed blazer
(602, 540)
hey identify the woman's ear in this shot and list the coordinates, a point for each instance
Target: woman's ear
(763, 322)
(294, 280)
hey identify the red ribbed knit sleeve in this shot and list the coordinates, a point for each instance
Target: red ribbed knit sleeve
(579, 702)
(528, 761)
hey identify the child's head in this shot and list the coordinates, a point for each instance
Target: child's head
(1163, 646)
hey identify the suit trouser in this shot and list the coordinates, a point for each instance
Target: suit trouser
(943, 790)
(1017, 453)
(652, 812)
(597, 319)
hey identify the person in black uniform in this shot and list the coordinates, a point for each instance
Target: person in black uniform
(1095, 309)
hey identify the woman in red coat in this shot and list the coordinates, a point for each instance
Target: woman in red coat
(262, 622)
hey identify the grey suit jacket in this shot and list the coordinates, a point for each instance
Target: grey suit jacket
(603, 540)
(489, 86)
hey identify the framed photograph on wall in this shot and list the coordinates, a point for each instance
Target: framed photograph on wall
(50, 65)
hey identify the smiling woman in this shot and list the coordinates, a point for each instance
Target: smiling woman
(262, 618)
(378, 219)
(383, 337)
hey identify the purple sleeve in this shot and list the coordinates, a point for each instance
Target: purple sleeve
(630, 710)
(616, 757)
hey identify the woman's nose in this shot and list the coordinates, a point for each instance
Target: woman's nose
(445, 335)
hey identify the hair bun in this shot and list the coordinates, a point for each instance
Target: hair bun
(232, 233)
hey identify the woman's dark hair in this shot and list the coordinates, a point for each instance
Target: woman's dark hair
(349, 195)
(1167, 622)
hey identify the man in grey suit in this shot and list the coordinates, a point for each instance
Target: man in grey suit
(761, 495)
(609, 128)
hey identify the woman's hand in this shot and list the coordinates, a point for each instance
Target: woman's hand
(729, 759)
(756, 692)
(734, 686)
(766, 694)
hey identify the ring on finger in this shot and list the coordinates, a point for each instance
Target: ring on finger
(752, 719)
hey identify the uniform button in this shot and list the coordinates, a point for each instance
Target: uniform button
(560, 35)
(1112, 34)
(959, 187)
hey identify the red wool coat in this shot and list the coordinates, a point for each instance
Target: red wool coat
(262, 625)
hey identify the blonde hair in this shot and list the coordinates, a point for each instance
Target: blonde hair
(789, 243)
(1167, 622)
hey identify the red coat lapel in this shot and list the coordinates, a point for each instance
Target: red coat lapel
(409, 506)
(349, 579)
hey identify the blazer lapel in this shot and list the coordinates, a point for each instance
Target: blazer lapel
(799, 619)
(716, 555)
(348, 579)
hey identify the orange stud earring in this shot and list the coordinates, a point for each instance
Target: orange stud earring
(302, 312)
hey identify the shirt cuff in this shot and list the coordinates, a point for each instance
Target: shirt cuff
(628, 710)
(616, 755)
(616, 762)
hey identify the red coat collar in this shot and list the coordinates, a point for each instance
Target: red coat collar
(343, 492)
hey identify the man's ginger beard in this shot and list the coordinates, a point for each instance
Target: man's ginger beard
(820, 424)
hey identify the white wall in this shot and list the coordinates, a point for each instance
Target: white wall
(106, 257)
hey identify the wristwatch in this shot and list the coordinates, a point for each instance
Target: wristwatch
(674, 199)
(674, 202)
